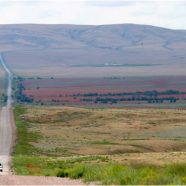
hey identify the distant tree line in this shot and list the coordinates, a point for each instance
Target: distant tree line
(117, 100)
(19, 91)
(146, 96)
(152, 93)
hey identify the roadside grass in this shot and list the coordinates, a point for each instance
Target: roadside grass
(29, 159)
(100, 169)
(24, 137)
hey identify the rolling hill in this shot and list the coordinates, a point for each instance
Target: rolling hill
(107, 46)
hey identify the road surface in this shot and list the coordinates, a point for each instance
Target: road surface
(6, 124)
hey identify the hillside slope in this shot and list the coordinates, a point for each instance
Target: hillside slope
(125, 45)
(105, 36)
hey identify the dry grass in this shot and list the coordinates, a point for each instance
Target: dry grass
(78, 131)
(154, 158)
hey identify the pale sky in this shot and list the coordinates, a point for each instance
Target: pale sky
(164, 13)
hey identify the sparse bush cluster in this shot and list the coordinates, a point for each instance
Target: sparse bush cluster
(3, 99)
(19, 92)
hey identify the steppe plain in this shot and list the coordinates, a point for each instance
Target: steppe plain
(112, 144)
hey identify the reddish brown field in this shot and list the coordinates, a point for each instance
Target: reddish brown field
(66, 90)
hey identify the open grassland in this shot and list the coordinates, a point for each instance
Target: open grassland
(113, 146)
(79, 131)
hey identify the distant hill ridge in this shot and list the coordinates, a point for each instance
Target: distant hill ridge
(114, 46)
(117, 37)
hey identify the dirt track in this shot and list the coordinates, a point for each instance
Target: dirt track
(37, 180)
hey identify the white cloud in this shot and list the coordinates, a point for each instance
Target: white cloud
(110, 3)
(165, 13)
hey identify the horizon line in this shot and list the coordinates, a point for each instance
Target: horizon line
(72, 24)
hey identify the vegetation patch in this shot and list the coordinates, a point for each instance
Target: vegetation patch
(100, 169)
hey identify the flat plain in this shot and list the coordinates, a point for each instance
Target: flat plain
(146, 146)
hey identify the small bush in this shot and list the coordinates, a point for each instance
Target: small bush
(62, 174)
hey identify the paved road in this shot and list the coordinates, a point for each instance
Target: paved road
(6, 123)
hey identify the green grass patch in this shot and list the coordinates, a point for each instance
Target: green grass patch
(104, 142)
(24, 136)
(40, 165)
(130, 175)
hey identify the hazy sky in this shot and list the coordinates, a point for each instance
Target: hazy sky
(165, 13)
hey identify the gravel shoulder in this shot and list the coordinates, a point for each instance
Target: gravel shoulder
(37, 180)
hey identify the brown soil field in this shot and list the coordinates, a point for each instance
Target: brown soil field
(68, 131)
